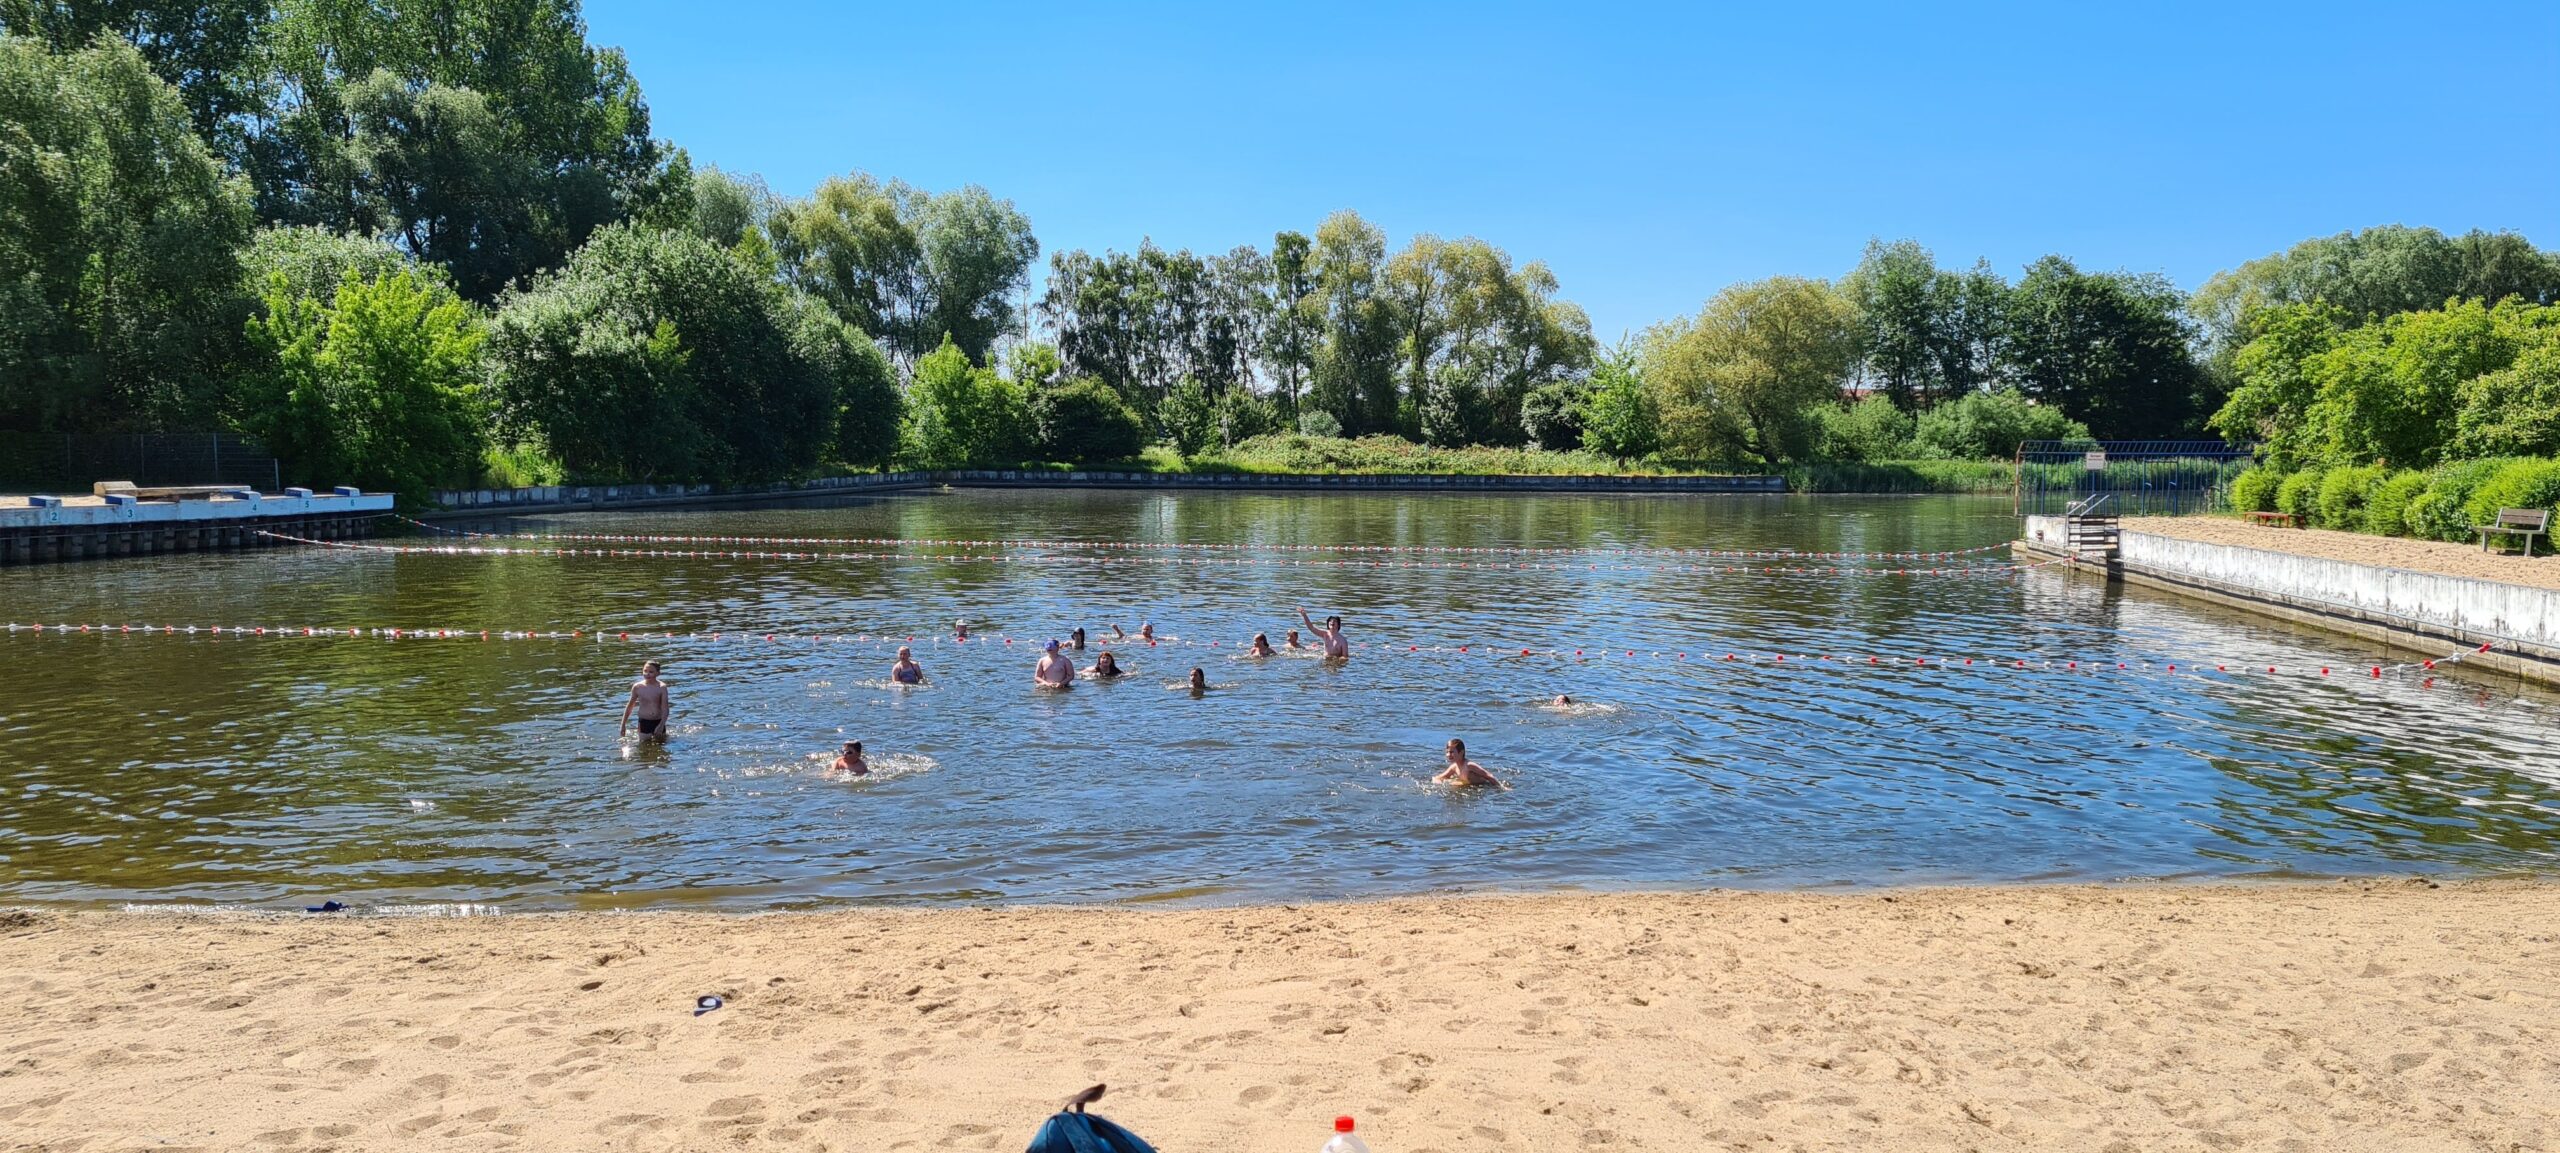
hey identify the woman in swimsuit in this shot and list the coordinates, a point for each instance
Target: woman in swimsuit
(907, 671)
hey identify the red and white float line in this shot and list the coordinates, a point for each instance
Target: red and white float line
(887, 641)
(1032, 557)
(1056, 545)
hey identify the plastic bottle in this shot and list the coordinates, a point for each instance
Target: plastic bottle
(1343, 1140)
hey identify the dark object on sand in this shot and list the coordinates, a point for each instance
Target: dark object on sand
(705, 1004)
(325, 907)
(1082, 1132)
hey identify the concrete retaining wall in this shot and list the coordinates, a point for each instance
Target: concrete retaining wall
(2398, 605)
(88, 531)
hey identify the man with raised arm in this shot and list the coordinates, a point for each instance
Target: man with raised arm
(1336, 648)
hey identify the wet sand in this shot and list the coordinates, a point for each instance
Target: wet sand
(2542, 570)
(2377, 1015)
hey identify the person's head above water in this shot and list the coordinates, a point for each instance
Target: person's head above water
(905, 653)
(1457, 751)
(1199, 679)
(1052, 647)
(1564, 699)
(1107, 663)
(1334, 623)
(853, 748)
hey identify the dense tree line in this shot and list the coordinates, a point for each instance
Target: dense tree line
(419, 242)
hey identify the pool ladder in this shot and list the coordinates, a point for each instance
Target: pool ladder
(2088, 532)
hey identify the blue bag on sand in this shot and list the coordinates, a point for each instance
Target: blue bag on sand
(1085, 1133)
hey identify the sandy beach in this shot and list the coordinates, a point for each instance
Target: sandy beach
(2376, 1015)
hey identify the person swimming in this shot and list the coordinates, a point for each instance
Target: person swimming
(1147, 631)
(1075, 640)
(1054, 671)
(1336, 647)
(906, 671)
(1563, 701)
(850, 761)
(1262, 647)
(1463, 772)
(1293, 642)
(1199, 683)
(1106, 667)
(960, 630)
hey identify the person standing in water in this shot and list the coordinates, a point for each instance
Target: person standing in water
(1461, 771)
(960, 630)
(1293, 642)
(850, 761)
(1336, 648)
(648, 704)
(1199, 683)
(1261, 647)
(906, 671)
(1075, 640)
(1054, 671)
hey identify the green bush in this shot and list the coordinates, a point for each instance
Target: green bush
(2254, 490)
(2386, 509)
(2438, 513)
(2300, 495)
(2528, 483)
(1990, 425)
(2343, 492)
(1872, 429)
(1083, 421)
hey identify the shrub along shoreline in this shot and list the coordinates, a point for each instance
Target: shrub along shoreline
(2440, 503)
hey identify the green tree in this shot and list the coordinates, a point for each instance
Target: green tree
(1894, 287)
(657, 356)
(2110, 350)
(907, 266)
(1620, 417)
(728, 209)
(1990, 426)
(377, 384)
(208, 51)
(2273, 390)
(2392, 391)
(959, 414)
(1354, 374)
(486, 134)
(2372, 274)
(118, 240)
(1873, 429)
(1744, 376)
(1190, 417)
(314, 261)
(2514, 411)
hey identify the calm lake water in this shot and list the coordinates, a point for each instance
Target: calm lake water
(269, 771)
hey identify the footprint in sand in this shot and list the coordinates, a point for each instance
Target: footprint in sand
(1257, 1095)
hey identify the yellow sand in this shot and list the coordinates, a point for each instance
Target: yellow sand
(2386, 1016)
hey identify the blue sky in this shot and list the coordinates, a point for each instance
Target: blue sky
(1649, 153)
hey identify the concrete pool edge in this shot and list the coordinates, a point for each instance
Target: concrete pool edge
(2418, 611)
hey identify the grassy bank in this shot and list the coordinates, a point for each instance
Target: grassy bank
(1302, 455)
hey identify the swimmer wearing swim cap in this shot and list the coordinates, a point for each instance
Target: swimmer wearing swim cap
(1054, 671)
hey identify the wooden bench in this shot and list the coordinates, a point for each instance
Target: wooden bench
(2523, 522)
(2278, 519)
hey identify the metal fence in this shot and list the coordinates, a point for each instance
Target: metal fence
(72, 462)
(2138, 477)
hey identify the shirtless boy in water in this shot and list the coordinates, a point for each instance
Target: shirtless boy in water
(1336, 648)
(1261, 647)
(1054, 671)
(648, 704)
(1461, 771)
(850, 761)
